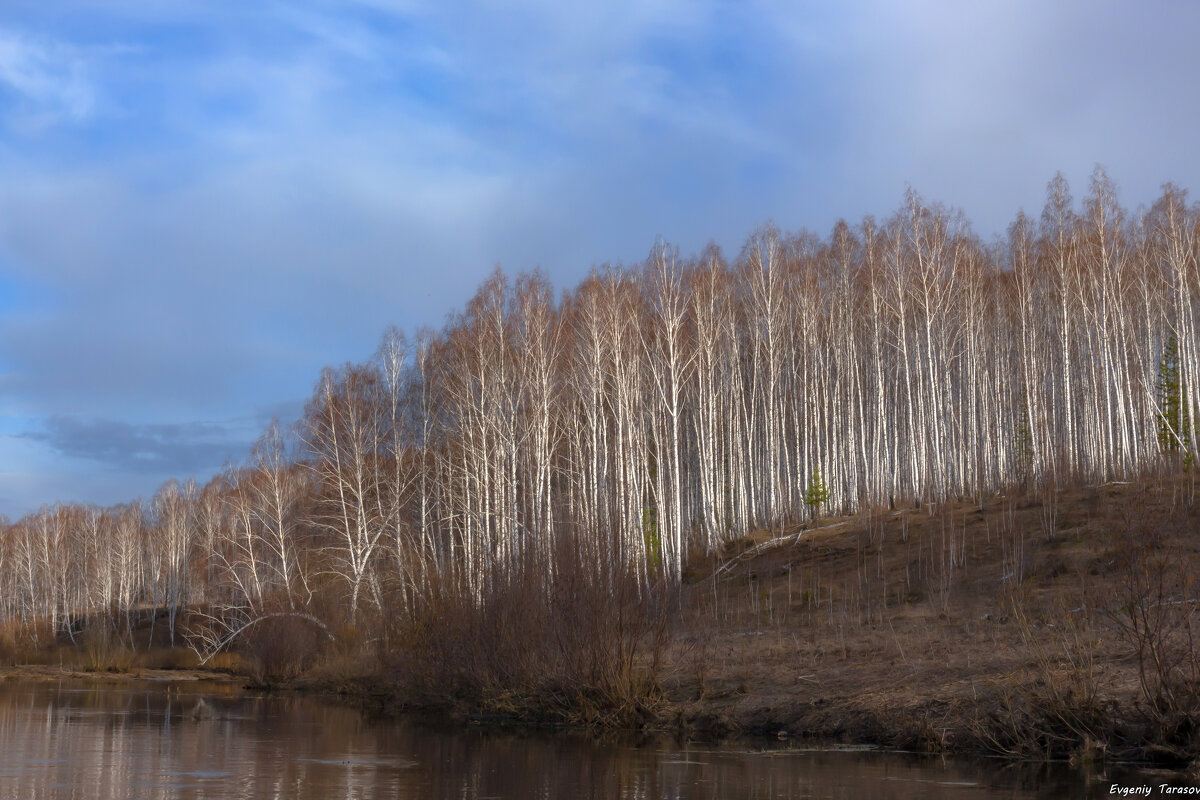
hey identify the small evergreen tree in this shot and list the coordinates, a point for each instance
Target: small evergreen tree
(1174, 416)
(817, 492)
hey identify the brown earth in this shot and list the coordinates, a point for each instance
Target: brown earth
(45, 672)
(999, 626)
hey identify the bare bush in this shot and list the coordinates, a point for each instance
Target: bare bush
(104, 652)
(1155, 613)
(282, 646)
(587, 647)
(1064, 714)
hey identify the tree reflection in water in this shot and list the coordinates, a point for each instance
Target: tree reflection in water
(100, 740)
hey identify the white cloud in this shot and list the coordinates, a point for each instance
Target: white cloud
(284, 179)
(50, 78)
(979, 104)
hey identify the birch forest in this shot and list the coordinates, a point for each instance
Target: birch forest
(656, 411)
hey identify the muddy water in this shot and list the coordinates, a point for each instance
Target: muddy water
(141, 740)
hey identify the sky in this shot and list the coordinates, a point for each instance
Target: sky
(204, 203)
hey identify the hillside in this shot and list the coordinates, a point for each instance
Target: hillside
(1015, 626)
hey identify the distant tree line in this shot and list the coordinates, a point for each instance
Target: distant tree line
(657, 411)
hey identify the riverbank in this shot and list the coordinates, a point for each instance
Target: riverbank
(1028, 627)
(44, 672)
(1060, 626)
(1021, 626)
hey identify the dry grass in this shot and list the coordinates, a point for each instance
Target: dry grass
(229, 662)
(983, 626)
(585, 648)
(100, 651)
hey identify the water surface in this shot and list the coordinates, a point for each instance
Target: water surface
(72, 739)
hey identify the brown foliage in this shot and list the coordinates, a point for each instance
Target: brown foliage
(1155, 611)
(586, 649)
(281, 647)
(101, 651)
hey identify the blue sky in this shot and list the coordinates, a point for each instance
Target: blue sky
(202, 203)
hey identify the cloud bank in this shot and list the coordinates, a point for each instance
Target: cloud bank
(203, 203)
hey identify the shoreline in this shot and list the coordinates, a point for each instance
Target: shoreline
(882, 724)
(42, 672)
(995, 627)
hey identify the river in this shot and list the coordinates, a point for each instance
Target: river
(73, 739)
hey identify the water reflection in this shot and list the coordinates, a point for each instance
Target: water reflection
(151, 741)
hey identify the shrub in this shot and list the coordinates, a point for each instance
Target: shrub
(583, 644)
(281, 647)
(102, 652)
